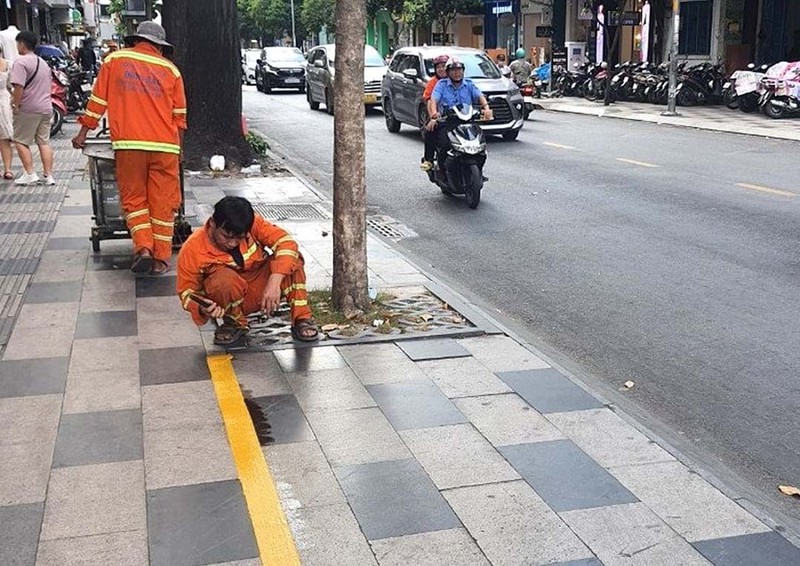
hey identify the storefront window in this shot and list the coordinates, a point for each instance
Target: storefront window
(695, 31)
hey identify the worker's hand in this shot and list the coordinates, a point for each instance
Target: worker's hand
(431, 125)
(79, 141)
(271, 299)
(213, 310)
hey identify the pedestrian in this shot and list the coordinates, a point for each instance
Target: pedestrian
(520, 68)
(87, 58)
(142, 91)
(240, 264)
(501, 64)
(6, 115)
(30, 77)
(8, 39)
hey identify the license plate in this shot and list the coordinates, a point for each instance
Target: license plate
(292, 81)
(86, 88)
(370, 98)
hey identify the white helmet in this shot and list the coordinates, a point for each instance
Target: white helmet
(454, 63)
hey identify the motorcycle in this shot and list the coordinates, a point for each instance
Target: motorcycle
(59, 83)
(459, 169)
(80, 87)
(529, 93)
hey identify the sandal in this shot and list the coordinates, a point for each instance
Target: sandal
(142, 263)
(159, 267)
(227, 335)
(300, 330)
(8, 175)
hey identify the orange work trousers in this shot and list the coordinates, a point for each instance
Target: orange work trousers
(150, 194)
(240, 292)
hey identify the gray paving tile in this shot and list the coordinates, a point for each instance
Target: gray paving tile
(329, 389)
(631, 535)
(24, 472)
(513, 526)
(61, 292)
(109, 262)
(55, 318)
(199, 524)
(581, 562)
(380, 363)
(550, 466)
(548, 391)
(77, 243)
(329, 536)
(395, 498)
(764, 549)
(279, 419)
(452, 547)
(415, 405)
(463, 377)
(128, 549)
(155, 334)
(260, 375)
(303, 475)
(104, 390)
(501, 353)
(106, 324)
(19, 534)
(95, 438)
(25, 420)
(27, 344)
(21, 378)
(296, 360)
(173, 365)
(164, 286)
(189, 404)
(433, 349)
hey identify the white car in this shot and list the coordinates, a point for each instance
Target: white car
(320, 71)
(249, 59)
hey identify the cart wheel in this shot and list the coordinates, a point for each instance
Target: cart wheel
(95, 243)
(181, 233)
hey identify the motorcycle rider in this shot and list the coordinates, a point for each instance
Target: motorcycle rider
(439, 64)
(520, 68)
(451, 92)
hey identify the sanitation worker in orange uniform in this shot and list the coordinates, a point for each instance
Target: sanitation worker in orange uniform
(239, 264)
(142, 92)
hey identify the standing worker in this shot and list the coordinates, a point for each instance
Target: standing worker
(143, 94)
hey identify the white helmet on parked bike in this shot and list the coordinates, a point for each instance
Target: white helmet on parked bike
(454, 63)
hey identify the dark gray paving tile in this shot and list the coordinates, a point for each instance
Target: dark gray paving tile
(165, 286)
(22, 378)
(199, 524)
(19, 533)
(95, 438)
(395, 498)
(77, 210)
(81, 243)
(309, 359)
(437, 349)
(110, 262)
(60, 292)
(106, 324)
(581, 562)
(548, 391)
(173, 365)
(565, 476)
(278, 419)
(417, 404)
(764, 549)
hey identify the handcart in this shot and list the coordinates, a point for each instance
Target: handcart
(109, 221)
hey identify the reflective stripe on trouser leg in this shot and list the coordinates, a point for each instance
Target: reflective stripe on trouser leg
(131, 169)
(227, 288)
(293, 287)
(164, 198)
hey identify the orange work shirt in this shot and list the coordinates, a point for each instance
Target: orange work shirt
(199, 253)
(426, 95)
(142, 92)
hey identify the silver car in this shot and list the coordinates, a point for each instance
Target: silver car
(411, 69)
(320, 71)
(249, 60)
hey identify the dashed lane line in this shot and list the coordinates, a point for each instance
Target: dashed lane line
(558, 145)
(639, 163)
(273, 536)
(766, 190)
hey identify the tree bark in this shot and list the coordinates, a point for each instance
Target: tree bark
(208, 58)
(350, 293)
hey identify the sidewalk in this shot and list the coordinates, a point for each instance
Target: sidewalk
(713, 118)
(124, 444)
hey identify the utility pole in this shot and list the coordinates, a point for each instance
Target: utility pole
(673, 61)
(294, 35)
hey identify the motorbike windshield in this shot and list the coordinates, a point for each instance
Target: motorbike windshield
(463, 112)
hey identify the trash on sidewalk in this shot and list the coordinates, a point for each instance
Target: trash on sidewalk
(253, 171)
(217, 163)
(629, 384)
(789, 490)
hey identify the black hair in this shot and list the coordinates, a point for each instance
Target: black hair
(234, 215)
(28, 38)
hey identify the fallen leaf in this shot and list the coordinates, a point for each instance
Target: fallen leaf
(329, 327)
(426, 317)
(377, 322)
(629, 384)
(789, 490)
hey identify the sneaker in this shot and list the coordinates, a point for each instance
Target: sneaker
(27, 179)
(49, 180)
(426, 166)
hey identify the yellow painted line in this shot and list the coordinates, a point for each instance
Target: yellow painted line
(274, 539)
(766, 190)
(639, 163)
(558, 145)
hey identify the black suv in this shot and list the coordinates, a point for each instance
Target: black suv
(281, 67)
(412, 67)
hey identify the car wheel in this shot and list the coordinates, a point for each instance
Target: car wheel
(329, 101)
(422, 118)
(510, 136)
(314, 105)
(302, 89)
(267, 88)
(392, 123)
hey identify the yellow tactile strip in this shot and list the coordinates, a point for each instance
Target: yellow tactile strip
(273, 536)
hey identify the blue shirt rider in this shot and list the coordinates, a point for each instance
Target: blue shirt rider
(454, 90)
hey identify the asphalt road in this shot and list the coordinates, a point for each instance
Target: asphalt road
(626, 251)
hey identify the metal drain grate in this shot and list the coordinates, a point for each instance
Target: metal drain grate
(300, 211)
(389, 227)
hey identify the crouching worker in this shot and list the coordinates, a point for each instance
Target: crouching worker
(240, 264)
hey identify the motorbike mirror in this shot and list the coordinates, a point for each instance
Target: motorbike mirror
(319, 64)
(411, 74)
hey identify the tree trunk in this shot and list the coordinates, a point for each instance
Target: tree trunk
(349, 291)
(208, 58)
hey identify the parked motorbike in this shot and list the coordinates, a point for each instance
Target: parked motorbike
(700, 84)
(459, 169)
(80, 87)
(59, 83)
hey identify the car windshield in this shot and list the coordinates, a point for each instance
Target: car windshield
(371, 56)
(285, 56)
(476, 66)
